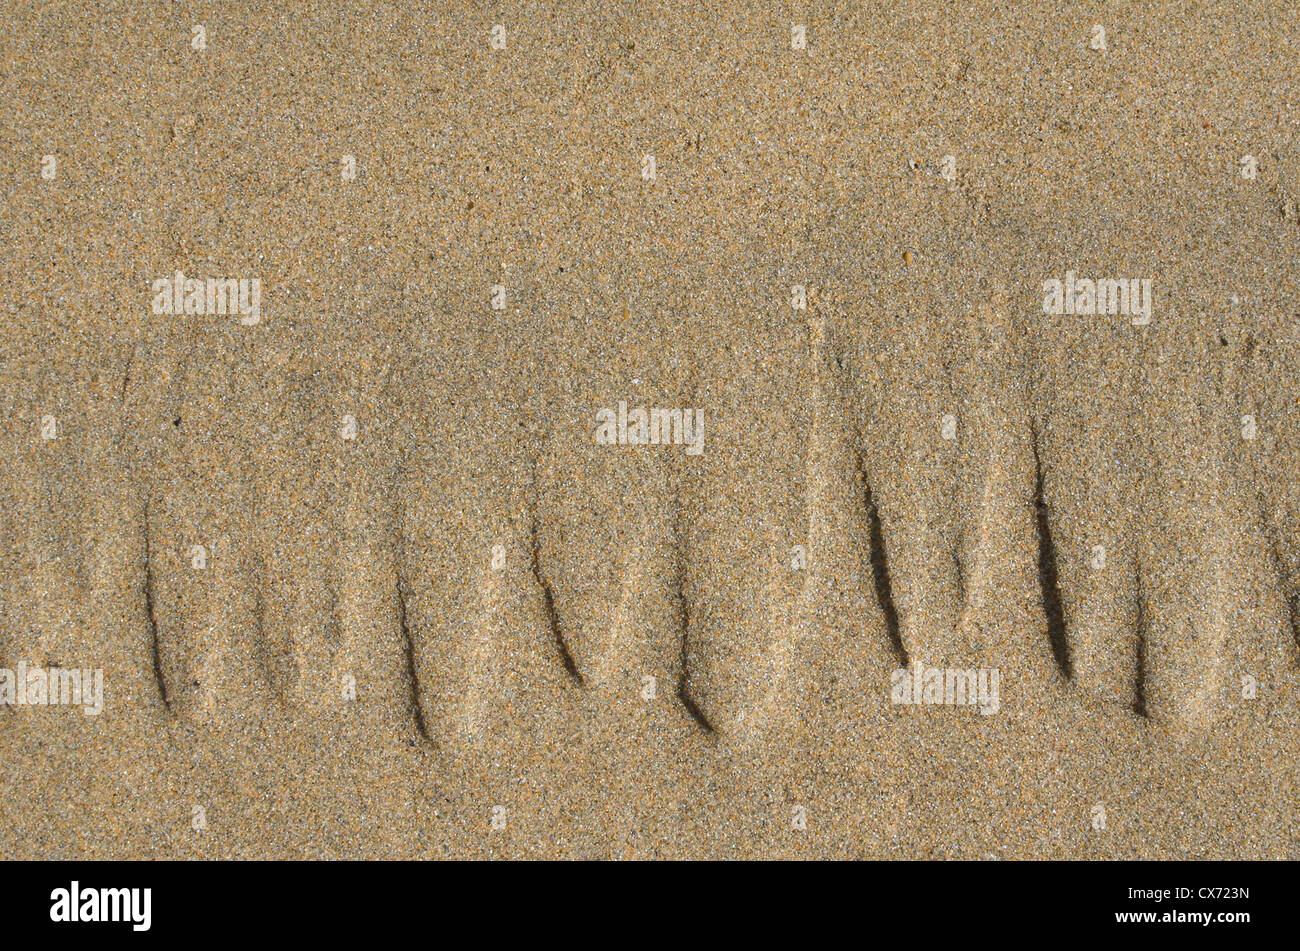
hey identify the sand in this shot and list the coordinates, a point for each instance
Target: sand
(363, 583)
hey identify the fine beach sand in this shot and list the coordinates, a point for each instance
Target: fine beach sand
(567, 649)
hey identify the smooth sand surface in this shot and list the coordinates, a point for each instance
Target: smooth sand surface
(437, 618)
